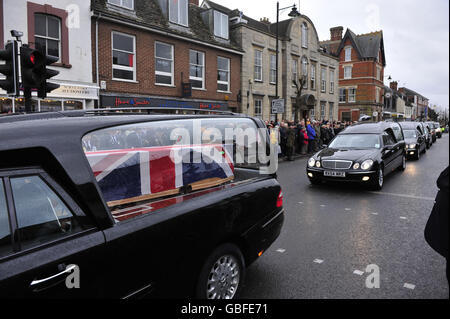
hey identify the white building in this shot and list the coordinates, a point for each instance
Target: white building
(62, 28)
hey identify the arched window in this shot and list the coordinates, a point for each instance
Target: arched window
(304, 35)
(305, 71)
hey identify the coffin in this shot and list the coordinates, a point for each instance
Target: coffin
(134, 175)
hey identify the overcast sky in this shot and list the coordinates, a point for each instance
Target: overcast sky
(416, 34)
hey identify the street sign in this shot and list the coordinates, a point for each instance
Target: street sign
(278, 106)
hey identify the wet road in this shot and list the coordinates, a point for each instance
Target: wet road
(332, 233)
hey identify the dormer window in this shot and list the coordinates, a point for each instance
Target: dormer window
(220, 25)
(127, 4)
(178, 12)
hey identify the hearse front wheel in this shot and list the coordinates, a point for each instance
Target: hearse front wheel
(222, 274)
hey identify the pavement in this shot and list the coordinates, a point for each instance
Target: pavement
(337, 238)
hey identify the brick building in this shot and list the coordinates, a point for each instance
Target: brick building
(164, 53)
(361, 72)
(417, 102)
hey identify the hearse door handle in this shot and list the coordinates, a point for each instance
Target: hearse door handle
(38, 285)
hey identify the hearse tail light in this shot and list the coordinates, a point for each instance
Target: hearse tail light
(280, 200)
(366, 165)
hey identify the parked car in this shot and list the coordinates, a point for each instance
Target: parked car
(438, 129)
(415, 141)
(427, 133)
(432, 128)
(101, 193)
(362, 153)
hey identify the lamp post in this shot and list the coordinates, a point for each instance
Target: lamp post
(294, 13)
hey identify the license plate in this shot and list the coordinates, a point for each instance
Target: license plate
(334, 174)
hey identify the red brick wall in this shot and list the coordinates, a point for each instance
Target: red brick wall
(145, 65)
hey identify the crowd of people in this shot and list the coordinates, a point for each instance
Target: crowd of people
(304, 137)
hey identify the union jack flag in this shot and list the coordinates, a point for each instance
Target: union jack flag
(136, 173)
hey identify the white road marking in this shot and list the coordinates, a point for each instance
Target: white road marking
(281, 250)
(323, 205)
(376, 214)
(404, 195)
(301, 203)
(404, 218)
(318, 261)
(358, 272)
(348, 209)
(409, 286)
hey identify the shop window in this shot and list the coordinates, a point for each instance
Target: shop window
(6, 106)
(51, 105)
(20, 105)
(73, 105)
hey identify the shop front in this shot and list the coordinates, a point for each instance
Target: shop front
(142, 102)
(67, 97)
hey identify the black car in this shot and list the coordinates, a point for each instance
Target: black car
(432, 127)
(93, 204)
(362, 153)
(425, 130)
(415, 141)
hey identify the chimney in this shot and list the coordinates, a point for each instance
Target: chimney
(336, 33)
(265, 21)
(394, 85)
(194, 2)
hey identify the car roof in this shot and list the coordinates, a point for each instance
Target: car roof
(409, 125)
(369, 128)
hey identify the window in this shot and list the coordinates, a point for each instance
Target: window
(156, 171)
(331, 111)
(258, 108)
(348, 54)
(178, 12)
(164, 64)
(388, 139)
(220, 25)
(323, 106)
(377, 95)
(305, 71)
(273, 68)
(258, 65)
(223, 74)
(41, 215)
(295, 70)
(332, 81)
(342, 95)
(124, 57)
(313, 76)
(48, 34)
(304, 35)
(351, 95)
(5, 232)
(197, 69)
(348, 72)
(128, 4)
(323, 80)
(312, 113)
(378, 73)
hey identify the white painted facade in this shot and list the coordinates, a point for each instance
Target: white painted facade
(78, 90)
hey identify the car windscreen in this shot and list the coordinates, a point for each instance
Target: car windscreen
(410, 134)
(356, 141)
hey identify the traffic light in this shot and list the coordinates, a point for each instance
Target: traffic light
(45, 86)
(10, 69)
(34, 70)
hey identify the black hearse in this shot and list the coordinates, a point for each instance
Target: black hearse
(362, 153)
(61, 237)
(414, 139)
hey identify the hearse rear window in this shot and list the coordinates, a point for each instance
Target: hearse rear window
(148, 161)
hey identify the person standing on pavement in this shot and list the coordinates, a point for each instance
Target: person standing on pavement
(317, 139)
(290, 143)
(436, 230)
(311, 136)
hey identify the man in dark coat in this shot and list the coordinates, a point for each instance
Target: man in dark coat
(436, 231)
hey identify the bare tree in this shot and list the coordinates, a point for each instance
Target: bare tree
(300, 85)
